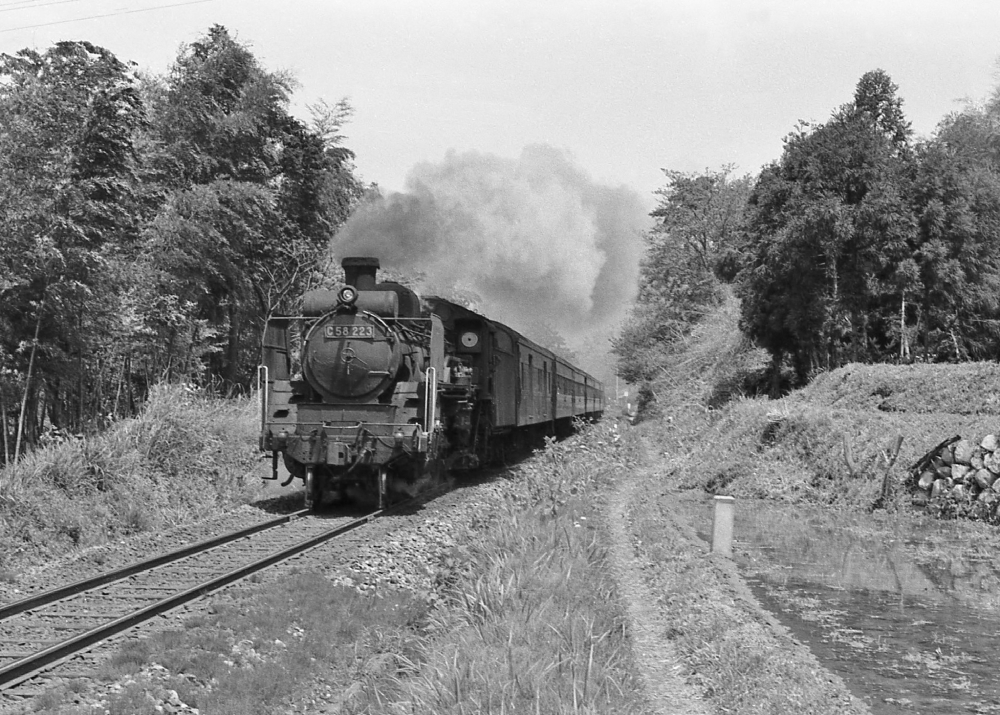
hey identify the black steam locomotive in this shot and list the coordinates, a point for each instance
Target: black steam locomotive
(387, 391)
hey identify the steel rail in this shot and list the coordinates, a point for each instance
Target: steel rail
(88, 584)
(25, 668)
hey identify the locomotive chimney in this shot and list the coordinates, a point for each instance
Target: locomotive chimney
(360, 272)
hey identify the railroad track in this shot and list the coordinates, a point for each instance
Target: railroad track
(48, 629)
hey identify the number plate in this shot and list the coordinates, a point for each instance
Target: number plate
(349, 331)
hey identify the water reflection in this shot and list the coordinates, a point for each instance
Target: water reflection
(906, 611)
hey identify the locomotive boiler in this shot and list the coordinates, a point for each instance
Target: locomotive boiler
(373, 392)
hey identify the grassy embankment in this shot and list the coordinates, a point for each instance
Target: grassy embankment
(185, 457)
(824, 444)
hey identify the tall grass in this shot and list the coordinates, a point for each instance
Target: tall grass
(187, 455)
(530, 621)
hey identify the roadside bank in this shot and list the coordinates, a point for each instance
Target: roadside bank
(731, 651)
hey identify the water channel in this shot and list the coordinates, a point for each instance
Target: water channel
(905, 609)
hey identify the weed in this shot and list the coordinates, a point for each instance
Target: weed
(130, 658)
(134, 699)
(529, 619)
(184, 457)
(50, 699)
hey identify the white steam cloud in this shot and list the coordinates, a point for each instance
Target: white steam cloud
(535, 238)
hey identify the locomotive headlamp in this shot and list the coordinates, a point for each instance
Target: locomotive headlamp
(470, 339)
(347, 295)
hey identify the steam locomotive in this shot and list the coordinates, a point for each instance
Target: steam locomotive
(372, 392)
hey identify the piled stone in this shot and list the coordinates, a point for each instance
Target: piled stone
(960, 478)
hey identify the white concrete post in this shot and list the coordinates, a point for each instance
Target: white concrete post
(722, 526)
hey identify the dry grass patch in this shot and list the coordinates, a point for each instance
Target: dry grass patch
(187, 456)
(962, 389)
(712, 365)
(795, 450)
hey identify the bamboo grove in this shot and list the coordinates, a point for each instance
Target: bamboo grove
(150, 224)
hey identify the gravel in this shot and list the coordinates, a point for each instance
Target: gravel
(402, 552)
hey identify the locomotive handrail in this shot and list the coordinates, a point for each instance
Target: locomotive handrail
(430, 400)
(262, 381)
(317, 317)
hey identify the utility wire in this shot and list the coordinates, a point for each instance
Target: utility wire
(24, 4)
(110, 14)
(4, 8)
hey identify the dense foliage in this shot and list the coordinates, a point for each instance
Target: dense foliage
(150, 224)
(859, 244)
(829, 231)
(691, 245)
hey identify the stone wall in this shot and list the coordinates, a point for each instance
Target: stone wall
(959, 477)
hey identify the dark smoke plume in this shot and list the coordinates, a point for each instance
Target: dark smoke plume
(535, 238)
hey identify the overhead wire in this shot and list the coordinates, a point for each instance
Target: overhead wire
(94, 17)
(26, 4)
(4, 6)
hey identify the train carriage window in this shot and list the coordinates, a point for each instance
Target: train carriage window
(503, 342)
(531, 382)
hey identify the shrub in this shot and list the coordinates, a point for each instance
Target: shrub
(186, 456)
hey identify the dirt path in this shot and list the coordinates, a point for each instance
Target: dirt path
(661, 670)
(736, 657)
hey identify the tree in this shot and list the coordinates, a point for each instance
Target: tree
(694, 241)
(150, 224)
(828, 228)
(956, 261)
(68, 191)
(253, 196)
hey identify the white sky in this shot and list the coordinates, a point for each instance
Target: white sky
(628, 87)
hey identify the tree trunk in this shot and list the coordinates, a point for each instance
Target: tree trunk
(38, 410)
(97, 394)
(27, 385)
(118, 391)
(79, 374)
(3, 426)
(904, 344)
(925, 315)
(854, 336)
(864, 337)
(233, 353)
(833, 350)
(776, 375)
(129, 396)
